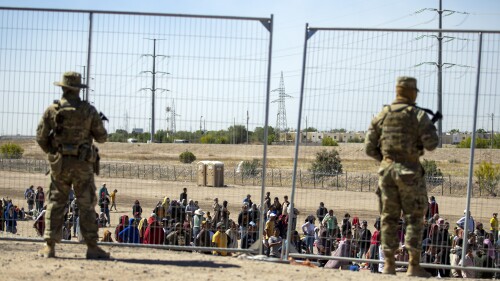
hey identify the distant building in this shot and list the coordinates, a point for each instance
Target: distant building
(137, 131)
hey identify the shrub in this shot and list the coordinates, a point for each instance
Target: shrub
(327, 163)
(11, 151)
(251, 168)
(328, 141)
(431, 169)
(187, 157)
(480, 143)
(488, 177)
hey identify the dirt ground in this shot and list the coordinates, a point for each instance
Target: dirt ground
(20, 262)
(135, 263)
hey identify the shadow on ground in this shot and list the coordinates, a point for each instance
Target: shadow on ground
(183, 263)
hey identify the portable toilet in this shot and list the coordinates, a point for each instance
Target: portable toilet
(202, 173)
(215, 174)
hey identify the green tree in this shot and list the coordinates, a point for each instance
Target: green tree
(328, 141)
(431, 169)
(251, 168)
(118, 136)
(11, 151)
(356, 139)
(187, 157)
(237, 134)
(488, 177)
(310, 129)
(480, 143)
(258, 135)
(452, 131)
(327, 163)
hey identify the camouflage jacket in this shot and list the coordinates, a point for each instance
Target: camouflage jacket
(69, 122)
(402, 138)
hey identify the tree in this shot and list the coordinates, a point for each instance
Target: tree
(310, 129)
(328, 141)
(11, 151)
(237, 134)
(258, 135)
(453, 131)
(187, 157)
(251, 168)
(430, 168)
(488, 177)
(480, 143)
(327, 163)
(118, 136)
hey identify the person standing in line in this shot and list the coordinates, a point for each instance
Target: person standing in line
(184, 195)
(112, 196)
(494, 227)
(396, 138)
(66, 132)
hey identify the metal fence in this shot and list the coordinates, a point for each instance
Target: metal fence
(202, 74)
(169, 74)
(349, 73)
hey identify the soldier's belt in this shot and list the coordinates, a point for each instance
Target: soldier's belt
(391, 159)
(69, 150)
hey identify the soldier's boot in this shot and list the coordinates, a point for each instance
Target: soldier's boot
(94, 252)
(414, 268)
(390, 263)
(49, 251)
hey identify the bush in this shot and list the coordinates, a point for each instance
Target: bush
(328, 141)
(327, 163)
(431, 169)
(480, 143)
(187, 157)
(488, 177)
(251, 168)
(11, 151)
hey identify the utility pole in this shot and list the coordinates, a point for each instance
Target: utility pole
(492, 132)
(440, 74)
(153, 88)
(440, 63)
(84, 91)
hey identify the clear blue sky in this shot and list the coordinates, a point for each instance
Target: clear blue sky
(291, 16)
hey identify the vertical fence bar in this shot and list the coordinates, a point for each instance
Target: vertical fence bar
(472, 147)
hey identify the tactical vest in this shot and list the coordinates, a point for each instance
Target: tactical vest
(399, 136)
(72, 126)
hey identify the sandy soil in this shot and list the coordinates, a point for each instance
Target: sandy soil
(20, 262)
(135, 263)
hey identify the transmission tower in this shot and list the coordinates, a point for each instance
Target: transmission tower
(153, 88)
(281, 125)
(171, 118)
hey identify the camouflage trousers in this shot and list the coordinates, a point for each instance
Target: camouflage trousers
(402, 190)
(80, 175)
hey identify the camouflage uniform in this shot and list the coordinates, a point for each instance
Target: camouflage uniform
(397, 138)
(66, 133)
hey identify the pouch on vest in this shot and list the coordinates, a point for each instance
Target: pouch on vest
(55, 161)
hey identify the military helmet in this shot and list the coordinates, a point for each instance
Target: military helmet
(71, 80)
(407, 82)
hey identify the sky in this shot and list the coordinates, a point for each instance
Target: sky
(290, 18)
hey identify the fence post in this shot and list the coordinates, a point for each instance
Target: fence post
(450, 183)
(191, 173)
(442, 186)
(281, 184)
(314, 179)
(346, 180)
(175, 176)
(300, 177)
(369, 183)
(337, 181)
(272, 177)
(361, 182)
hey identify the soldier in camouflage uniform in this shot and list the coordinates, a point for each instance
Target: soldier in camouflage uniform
(66, 133)
(397, 138)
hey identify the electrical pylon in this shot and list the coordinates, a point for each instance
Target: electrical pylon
(281, 125)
